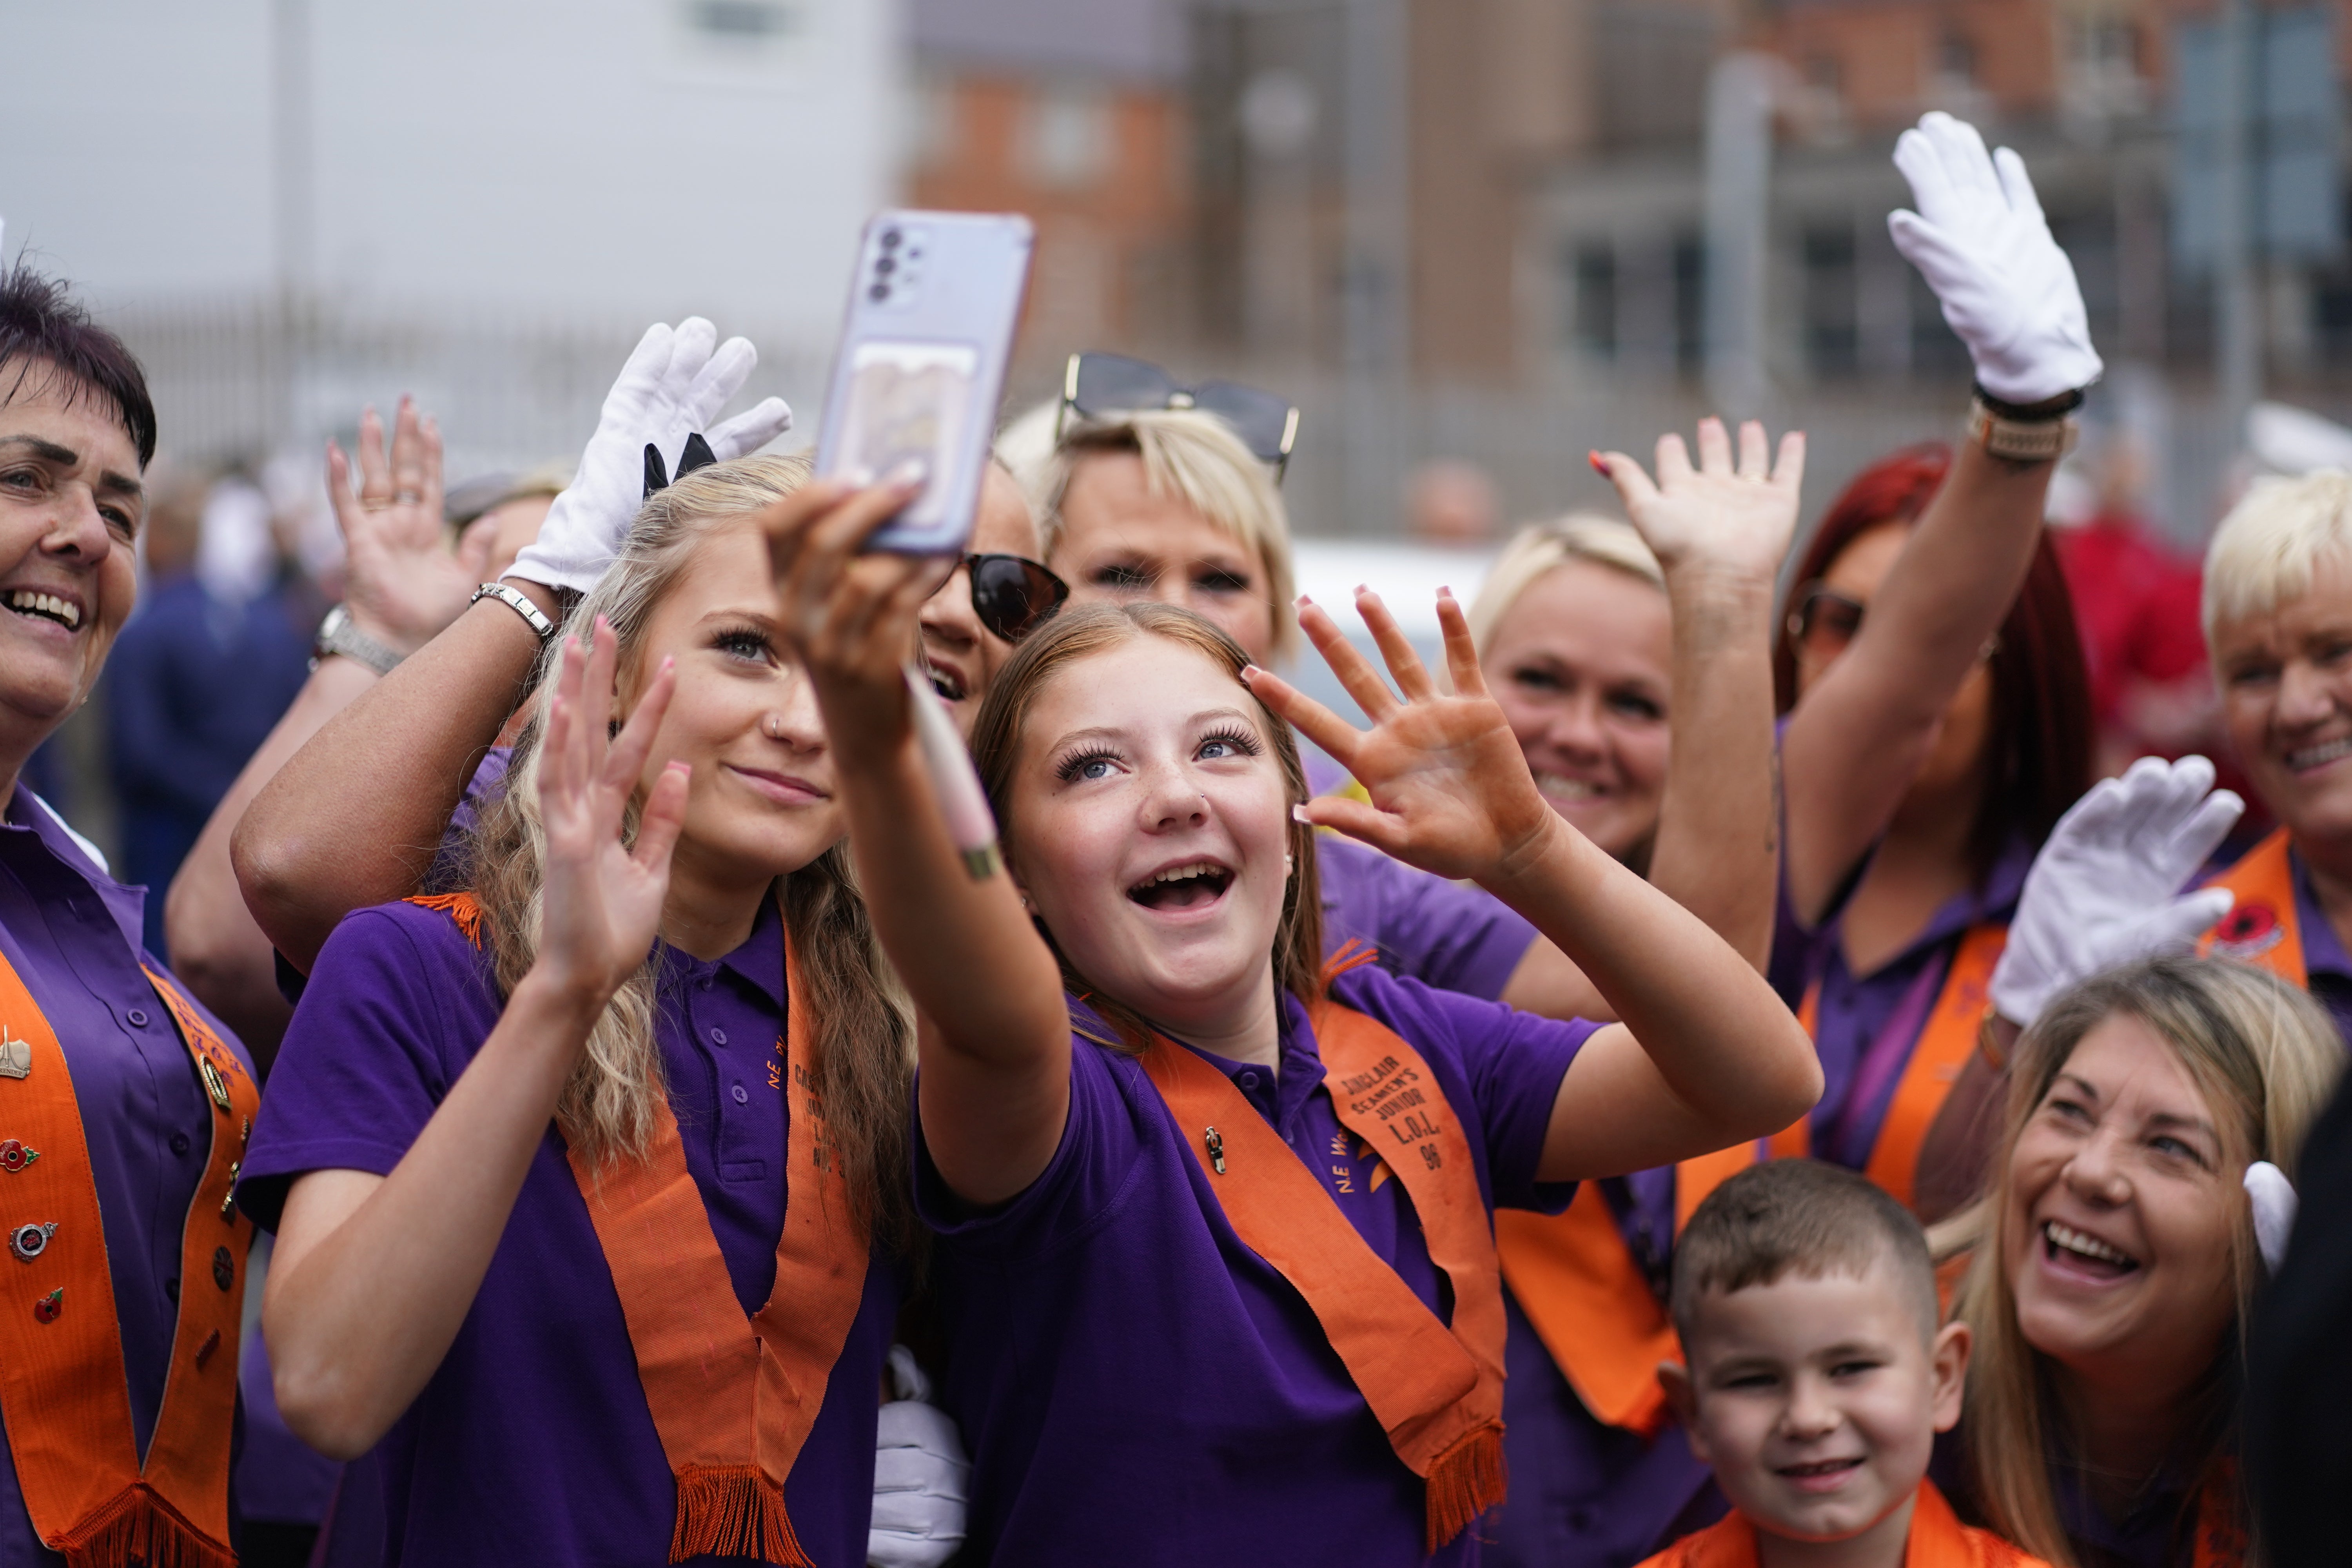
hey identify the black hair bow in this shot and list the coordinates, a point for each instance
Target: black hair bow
(696, 455)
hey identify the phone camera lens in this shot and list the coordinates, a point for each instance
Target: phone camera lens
(890, 237)
(884, 268)
(880, 292)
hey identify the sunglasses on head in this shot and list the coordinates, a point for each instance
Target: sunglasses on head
(1103, 386)
(1011, 594)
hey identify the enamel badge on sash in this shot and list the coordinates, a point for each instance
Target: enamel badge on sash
(15, 1056)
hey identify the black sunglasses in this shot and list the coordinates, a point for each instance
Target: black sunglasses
(1824, 617)
(1101, 386)
(1013, 596)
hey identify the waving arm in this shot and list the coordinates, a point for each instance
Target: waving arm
(1707, 1056)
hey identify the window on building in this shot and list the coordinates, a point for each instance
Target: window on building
(1832, 339)
(1066, 137)
(741, 21)
(1592, 285)
(1690, 304)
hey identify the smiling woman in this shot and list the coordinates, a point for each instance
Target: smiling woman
(2108, 1295)
(123, 1093)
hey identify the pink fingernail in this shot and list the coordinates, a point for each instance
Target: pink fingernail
(1599, 464)
(1250, 672)
(1298, 814)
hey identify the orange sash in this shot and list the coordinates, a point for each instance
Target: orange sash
(64, 1396)
(2263, 927)
(1438, 1392)
(733, 1399)
(1591, 1302)
(1937, 1539)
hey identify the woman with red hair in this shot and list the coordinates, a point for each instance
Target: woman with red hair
(1935, 724)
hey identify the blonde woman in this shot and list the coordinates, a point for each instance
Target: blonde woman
(524, 1175)
(2110, 1289)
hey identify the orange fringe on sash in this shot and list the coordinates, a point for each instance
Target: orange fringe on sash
(138, 1526)
(462, 907)
(733, 1510)
(1463, 1482)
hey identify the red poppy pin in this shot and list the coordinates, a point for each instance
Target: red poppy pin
(14, 1156)
(2248, 930)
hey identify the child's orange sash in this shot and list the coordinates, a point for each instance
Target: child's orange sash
(1591, 1302)
(1437, 1392)
(2263, 927)
(1937, 1539)
(732, 1399)
(64, 1396)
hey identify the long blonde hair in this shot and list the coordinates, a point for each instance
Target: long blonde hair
(865, 1040)
(2265, 1058)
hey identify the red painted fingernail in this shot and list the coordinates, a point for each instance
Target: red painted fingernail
(1599, 464)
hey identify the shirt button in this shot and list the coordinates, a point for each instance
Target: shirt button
(1249, 1080)
(717, 1036)
(179, 1142)
(138, 1018)
(742, 1095)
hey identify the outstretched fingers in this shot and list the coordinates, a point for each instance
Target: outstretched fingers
(1461, 648)
(1789, 472)
(1403, 659)
(1755, 451)
(624, 764)
(1632, 481)
(1355, 672)
(664, 816)
(1309, 718)
(1713, 447)
(1363, 823)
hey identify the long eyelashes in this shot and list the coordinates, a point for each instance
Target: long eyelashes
(1241, 740)
(1069, 767)
(744, 642)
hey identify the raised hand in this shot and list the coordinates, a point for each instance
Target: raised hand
(1450, 789)
(403, 579)
(602, 897)
(850, 618)
(674, 385)
(1738, 517)
(1981, 242)
(2102, 892)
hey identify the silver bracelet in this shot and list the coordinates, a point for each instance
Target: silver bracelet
(520, 603)
(338, 634)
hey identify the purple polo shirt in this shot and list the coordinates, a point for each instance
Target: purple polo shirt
(1449, 935)
(532, 1443)
(1867, 1024)
(1136, 1385)
(72, 934)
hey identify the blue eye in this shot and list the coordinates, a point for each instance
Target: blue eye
(1089, 766)
(743, 643)
(1227, 744)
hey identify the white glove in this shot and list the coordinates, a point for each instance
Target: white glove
(673, 385)
(920, 1475)
(2272, 1197)
(2101, 891)
(1980, 241)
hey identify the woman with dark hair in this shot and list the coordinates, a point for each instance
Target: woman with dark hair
(127, 1104)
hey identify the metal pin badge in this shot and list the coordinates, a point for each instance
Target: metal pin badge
(215, 1085)
(1216, 1150)
(16, 1057)
(228, 1198)
(224, 1268)
(29, 1241)
(47, 1309)
(204, 1350)
(15, 1155)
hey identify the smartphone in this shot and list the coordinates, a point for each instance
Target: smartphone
(921, 363)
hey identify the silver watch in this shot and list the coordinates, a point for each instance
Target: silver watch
(337, 634)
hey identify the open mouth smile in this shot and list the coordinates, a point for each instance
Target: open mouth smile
(1819, 1475)
(1561, 787)
(32, 601)
(2304, 758)
(1195, 885)
(945, 680)
(2077, 1253)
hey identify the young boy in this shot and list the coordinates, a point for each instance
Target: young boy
(1817, 1377)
